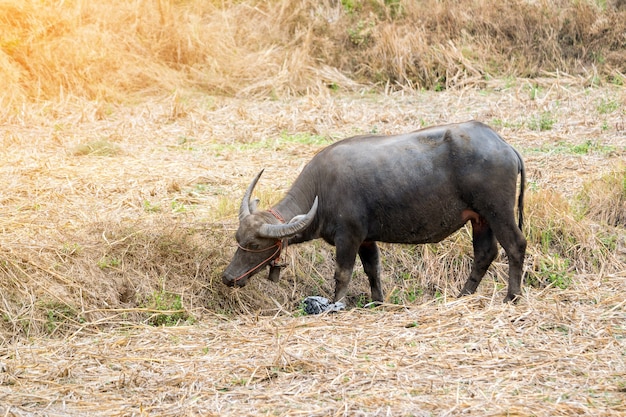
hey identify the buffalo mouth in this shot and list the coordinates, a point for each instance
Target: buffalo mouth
(241, 282)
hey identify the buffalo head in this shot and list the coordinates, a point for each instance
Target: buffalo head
(260, 238)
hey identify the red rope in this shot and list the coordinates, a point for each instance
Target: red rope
(276, 214)
(280, 218)
(273, 256)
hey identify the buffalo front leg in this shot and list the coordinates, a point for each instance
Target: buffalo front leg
(370, 257)
(344, 265)
(485, 251)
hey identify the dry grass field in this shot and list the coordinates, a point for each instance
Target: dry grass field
(115, 229)
(127, 141)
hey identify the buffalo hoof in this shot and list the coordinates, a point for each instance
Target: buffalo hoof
(512, 298)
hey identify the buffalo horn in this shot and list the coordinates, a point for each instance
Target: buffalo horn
(298, 223)
(244, 209)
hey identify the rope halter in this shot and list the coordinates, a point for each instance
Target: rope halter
(274, 258)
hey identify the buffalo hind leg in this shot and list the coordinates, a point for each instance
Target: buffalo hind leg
(514, 243)
(370, 257)
(485, 251)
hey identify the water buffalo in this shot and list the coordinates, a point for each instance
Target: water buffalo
(412, 188)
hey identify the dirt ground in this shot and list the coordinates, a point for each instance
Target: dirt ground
(75, 174)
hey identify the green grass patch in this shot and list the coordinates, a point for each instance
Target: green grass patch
(60, 316)
(554, 270)
(275, 144)
(305, 139)
(607, 105)
(542, 122)
(107, 262)
(170, 309)
(590, 146)
(410, 294)
(585, 148)
(534, 91)
(149, 207)
(499, 123)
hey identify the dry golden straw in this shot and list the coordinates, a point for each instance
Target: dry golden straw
(129, 131)
(97, 245)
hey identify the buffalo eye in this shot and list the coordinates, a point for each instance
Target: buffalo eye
(253, 246)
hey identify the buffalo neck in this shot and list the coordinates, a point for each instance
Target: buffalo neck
(293, 204)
